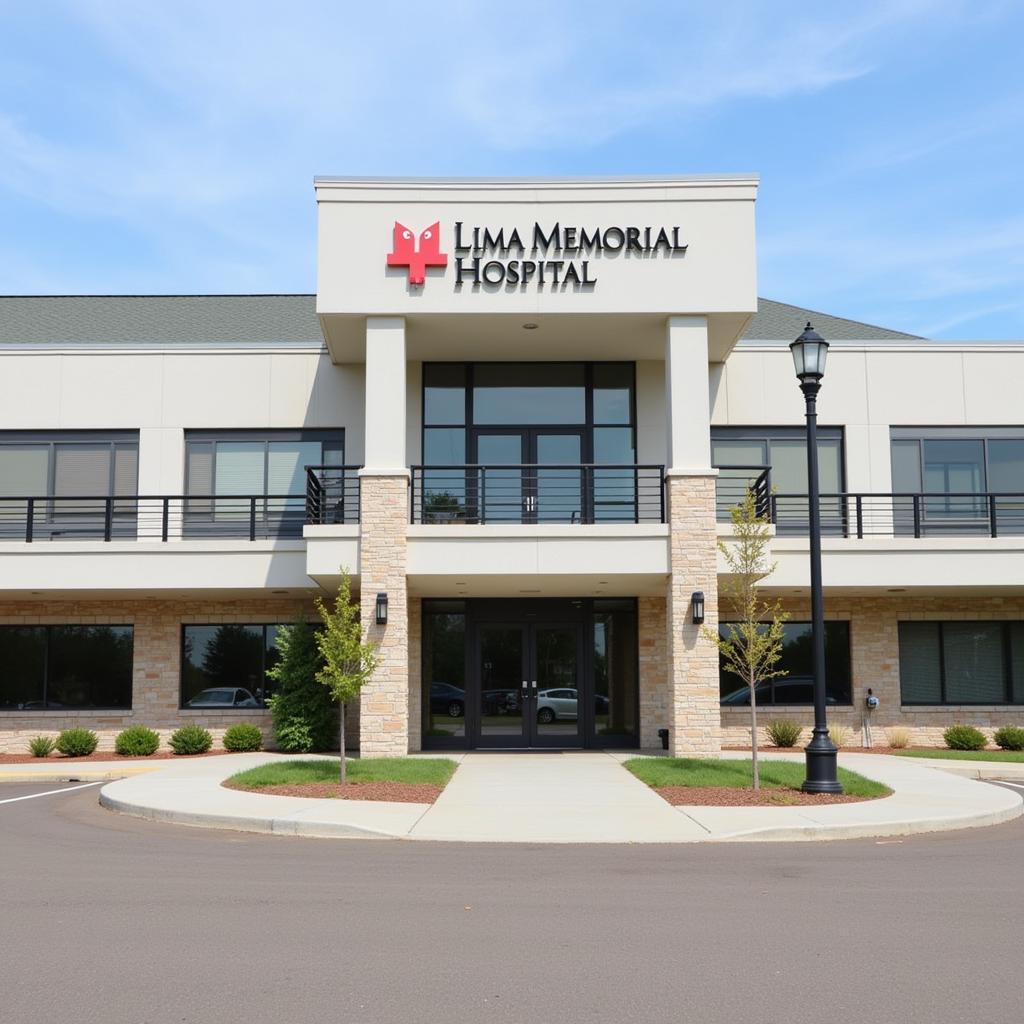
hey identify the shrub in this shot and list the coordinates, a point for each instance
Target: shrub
(839, 734)
(243, 737)
(137, 741)
(784, 732)
(42, 746)
(964, 737)
(191, 739)
(1010, 737)
(897, 738)
(305, 716)
(77, 742)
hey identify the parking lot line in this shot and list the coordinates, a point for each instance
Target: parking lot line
(52, 792)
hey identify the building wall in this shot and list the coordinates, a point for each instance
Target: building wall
(156, 671)
(874, 654)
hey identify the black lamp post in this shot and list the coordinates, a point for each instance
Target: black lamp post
(809, 353)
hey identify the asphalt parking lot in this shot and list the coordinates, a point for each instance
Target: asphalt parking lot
(112, 919)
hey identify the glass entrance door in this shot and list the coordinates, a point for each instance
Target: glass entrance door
(528, 684)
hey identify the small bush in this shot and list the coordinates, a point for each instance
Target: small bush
(191, 739)
(964, 737)
(305, 716)
(1010, 737)
(897, 738)
(839, 734)
(243, 737)
(77, 742)
(137, 741)
(784, 732)
(42, 746)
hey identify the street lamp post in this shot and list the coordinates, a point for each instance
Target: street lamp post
(809, 353)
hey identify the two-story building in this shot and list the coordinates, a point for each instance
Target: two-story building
(517, 412)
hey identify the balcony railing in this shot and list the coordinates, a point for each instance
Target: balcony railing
(537, 494)
(332, 494)
(860, 515)
(154, 518)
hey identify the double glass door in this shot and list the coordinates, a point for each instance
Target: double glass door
(529, 684)
(543, 481)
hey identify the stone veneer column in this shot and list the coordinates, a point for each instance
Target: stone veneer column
(384, 701)
(695, 717)
(654, 695)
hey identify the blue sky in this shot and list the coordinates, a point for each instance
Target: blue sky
(170, 147)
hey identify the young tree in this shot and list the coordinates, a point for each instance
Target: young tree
(752, 640)
(348, 659)
(305, 717)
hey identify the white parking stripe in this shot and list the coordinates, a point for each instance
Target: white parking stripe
(52, 792)
(1003, 782)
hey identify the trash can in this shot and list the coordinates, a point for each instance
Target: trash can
(663, 736)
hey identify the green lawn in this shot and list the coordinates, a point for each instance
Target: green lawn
(738, 774)
(966, 755)
(432, 771)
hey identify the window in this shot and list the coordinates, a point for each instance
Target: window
(67, 469)
(741, 452)
(796, 686)
(227, 470)
(444, 669)
(615, 667)
(225, 666)
(962, 662)
(960, 466)
(65, 667)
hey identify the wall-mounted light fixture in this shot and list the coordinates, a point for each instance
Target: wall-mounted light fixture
(382, 609)
(697, 607)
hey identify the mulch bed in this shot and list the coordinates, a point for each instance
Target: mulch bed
(876, 749)
(395, 792)
(102, 755)
(720, 796)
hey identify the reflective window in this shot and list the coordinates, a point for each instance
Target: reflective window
(615, 659)
(65, 667)
(796, 685)
(444, 669)
(527, 393)
(225, 666)
(962, 662)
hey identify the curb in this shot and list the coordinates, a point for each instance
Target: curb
(1009, 770)
(72, 776)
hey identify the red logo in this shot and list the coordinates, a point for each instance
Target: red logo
(428, 253)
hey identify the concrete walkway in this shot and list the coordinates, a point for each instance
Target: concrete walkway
(561, 798)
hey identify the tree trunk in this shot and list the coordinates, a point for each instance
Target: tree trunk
(753, 735)
(341, 738)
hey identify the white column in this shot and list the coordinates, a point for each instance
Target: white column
(385, 395)
(687, 406)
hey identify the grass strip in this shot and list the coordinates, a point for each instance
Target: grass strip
(430, 771)
(1016, 756)
(728, 773)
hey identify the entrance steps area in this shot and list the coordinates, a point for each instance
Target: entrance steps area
(570, 797)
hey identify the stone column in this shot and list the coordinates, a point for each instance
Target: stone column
(694, 715)
(383, 522)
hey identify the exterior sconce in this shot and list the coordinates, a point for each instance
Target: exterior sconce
(697, 607)
(382, 609)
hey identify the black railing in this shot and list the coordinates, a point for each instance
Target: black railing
(512, 494)
(734, 482)
(332, 494)
(157, 518)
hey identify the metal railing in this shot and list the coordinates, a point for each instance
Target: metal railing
(332, 494)
(509, 494)
(733, 483)
(156, 518)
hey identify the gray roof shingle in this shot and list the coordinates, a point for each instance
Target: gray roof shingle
(175, 319)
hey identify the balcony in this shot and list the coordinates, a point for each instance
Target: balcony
(537, 495)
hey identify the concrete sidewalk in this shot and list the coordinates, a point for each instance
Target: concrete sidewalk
(561, 798)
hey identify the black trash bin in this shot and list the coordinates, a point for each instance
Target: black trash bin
(663, 736)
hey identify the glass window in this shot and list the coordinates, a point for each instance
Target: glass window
(1006, 466)
(796, 685)
(906, 466)
(954, 466)
(526, 393)
(615, 657)
(613, 392)
(962, 662)
(444, 669)
(70, 667)
(444, 393)
(225, 666)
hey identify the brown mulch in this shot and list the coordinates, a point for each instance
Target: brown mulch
(720, 796)
(102, 755)
(395, 792)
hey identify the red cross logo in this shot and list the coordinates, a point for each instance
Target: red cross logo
(406, 253)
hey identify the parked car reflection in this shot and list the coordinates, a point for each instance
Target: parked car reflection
(446, 699)
(563, 703)
(223, 697)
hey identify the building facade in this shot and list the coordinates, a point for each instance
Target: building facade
(517, 413)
